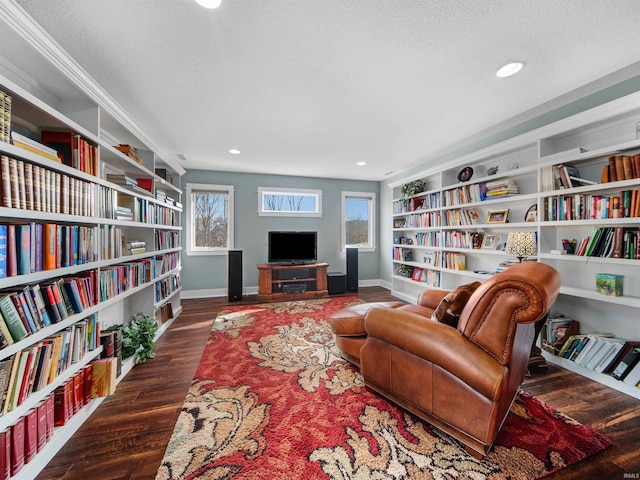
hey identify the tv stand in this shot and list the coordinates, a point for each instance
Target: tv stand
(291, 282)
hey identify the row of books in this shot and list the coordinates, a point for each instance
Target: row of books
(33, 187)
(402, 254)
(5, 116)
(117, 279)
(167, 286)
(29, 309)
(474, 193)
(29, 434)
(454, 261)
(73, 150)
(621, 167)
(167, 239)
(593, 207)
(32, 369)
(568, 176)
(165, 263)
(426, 239)
(610, 242)
(34, 247)
(603, 353)
(421, 220)
(462, 217)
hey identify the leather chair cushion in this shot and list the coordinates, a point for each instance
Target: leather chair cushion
(349, 322)
(450, 307)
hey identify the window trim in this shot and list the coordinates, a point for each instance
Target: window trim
(300, 191)
(371, 196)
(207, 187)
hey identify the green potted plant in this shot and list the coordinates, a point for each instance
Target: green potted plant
(137, 337)
(412, 188)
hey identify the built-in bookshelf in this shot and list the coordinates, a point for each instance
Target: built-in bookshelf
(574, 183)
(90, 219)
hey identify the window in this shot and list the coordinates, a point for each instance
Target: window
(210, 216)
(289, 202)
(358, 220)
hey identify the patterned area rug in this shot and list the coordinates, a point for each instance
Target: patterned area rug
(272, 399)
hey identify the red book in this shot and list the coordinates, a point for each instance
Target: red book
(50, 407)
(88, 380)
(58, 299)
(42, 424)
(78, 391)
(17, 446)
(50, 303)
(5, 454)
(63, 142)
(636, 164)
(12, 259)
(62, 408)
(30, 435)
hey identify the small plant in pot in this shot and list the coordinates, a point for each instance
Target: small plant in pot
(137, 337)
(412, 188)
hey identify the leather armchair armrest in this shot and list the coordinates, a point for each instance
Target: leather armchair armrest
(431, 298)
(439, 344)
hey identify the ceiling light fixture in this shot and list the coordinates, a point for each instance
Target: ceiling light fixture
(361, 164)
(509, 69)
(234, 151)
(209, 3)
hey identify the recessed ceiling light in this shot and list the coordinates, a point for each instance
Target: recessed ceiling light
(509, 69)
(209, 3)
(361, 164)
(234, 151)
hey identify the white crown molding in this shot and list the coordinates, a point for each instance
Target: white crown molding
(31, 32)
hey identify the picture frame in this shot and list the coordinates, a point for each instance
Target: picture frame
(492, 241)
(497, 216)
(417, 274)
(465, 174)
(532, 213)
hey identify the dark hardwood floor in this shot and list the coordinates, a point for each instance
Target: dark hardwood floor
(127, 435)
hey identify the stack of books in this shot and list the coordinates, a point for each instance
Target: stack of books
(33, 146)
(135, 247)
(501, 188)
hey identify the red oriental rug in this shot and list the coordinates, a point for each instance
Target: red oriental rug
(272, 399)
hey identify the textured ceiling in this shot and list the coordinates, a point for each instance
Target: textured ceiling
(309, 88)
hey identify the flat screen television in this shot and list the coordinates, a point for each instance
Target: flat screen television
(293, 247)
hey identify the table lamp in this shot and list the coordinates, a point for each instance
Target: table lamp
(522, 245)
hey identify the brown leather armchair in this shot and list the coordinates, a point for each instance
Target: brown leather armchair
(462, 380)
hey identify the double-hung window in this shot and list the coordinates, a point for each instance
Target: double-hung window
(210, 219)
(358, 220)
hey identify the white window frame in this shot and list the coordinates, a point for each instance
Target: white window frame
(372, 219)
(262, 191)
(199, 187)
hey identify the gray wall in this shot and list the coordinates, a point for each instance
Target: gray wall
(210, 272)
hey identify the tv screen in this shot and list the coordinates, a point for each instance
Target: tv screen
(293, 247)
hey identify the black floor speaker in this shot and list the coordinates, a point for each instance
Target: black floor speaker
(234, 285)
(352, 269)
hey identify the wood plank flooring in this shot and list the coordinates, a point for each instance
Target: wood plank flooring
(126, 437)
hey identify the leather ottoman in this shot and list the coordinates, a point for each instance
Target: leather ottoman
(348, 326)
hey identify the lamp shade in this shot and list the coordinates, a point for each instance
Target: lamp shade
(522, 244)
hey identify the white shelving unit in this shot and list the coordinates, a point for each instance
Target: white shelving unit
(585, 141)
(51, 92)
